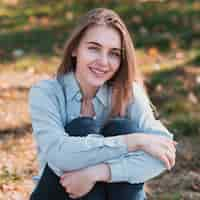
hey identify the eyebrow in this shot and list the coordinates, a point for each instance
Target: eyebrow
(98, 44)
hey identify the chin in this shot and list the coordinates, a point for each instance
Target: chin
(96, 82)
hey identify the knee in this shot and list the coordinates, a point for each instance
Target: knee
(82, 126)
(118, 126)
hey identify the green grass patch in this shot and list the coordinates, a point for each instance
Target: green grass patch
(170, 196)
(186, 124)
(175, 107)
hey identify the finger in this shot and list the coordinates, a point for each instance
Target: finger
(168, 140)
(171, 157)
(166, 161)
(64, 176)
(171, 142)
(67, 190)
(173, 162)
(175, 143)
(61, 182)
(170, 147)
(65, 185)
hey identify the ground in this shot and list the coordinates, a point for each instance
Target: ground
(17, 146)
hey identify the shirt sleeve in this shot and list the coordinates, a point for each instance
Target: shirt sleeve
(64, 152)
(139, 166)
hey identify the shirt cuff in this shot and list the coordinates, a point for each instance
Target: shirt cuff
(113, 142)
(118, 171)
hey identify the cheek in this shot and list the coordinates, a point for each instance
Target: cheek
(83, 57)
(114, 60)
(88, 56)
(115, 65)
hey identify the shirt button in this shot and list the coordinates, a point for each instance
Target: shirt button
(78, 96)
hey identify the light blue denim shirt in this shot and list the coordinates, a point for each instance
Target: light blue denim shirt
(50, 110)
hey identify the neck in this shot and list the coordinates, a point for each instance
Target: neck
(87, 91)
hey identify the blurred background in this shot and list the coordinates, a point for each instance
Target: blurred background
(166, 35)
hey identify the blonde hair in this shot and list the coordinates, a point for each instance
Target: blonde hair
(122, 81)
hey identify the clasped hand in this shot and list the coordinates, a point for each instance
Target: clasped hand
(159, 147)
(78, 183)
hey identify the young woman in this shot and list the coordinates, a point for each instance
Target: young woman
(96, 134)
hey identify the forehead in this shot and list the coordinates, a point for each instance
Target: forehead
(104, 35)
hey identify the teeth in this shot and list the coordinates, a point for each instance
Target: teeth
(97, 71)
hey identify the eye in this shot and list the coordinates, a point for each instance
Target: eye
(93, 48)
(115, 54)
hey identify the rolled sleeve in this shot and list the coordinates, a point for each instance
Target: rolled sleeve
(118, 169)
(135, 168)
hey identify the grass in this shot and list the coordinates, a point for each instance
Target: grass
(171, 196)
(39, 26)
(186, 125)
(176, 93)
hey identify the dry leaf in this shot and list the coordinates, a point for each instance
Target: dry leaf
(153, 52)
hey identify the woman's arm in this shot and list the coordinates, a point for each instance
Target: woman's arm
(135, 167)
(140, 166)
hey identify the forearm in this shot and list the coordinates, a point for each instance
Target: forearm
(121, 168)
(137, 167)
(76, 153)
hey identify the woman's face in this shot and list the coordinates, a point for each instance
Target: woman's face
(98, 56)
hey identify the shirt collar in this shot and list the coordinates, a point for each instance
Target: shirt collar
(102, 94)
(73, 90)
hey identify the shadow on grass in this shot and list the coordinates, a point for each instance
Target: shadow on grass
(151, 24)
(38, 40)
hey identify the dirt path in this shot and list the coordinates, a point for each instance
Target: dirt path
(18, 157)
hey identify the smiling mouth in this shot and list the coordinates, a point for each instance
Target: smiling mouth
(97, 71)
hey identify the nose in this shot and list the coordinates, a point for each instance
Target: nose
(104, 59)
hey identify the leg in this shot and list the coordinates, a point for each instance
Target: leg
(122, 190)
(49, 186)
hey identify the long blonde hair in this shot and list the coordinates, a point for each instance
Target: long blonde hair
(122, 81)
